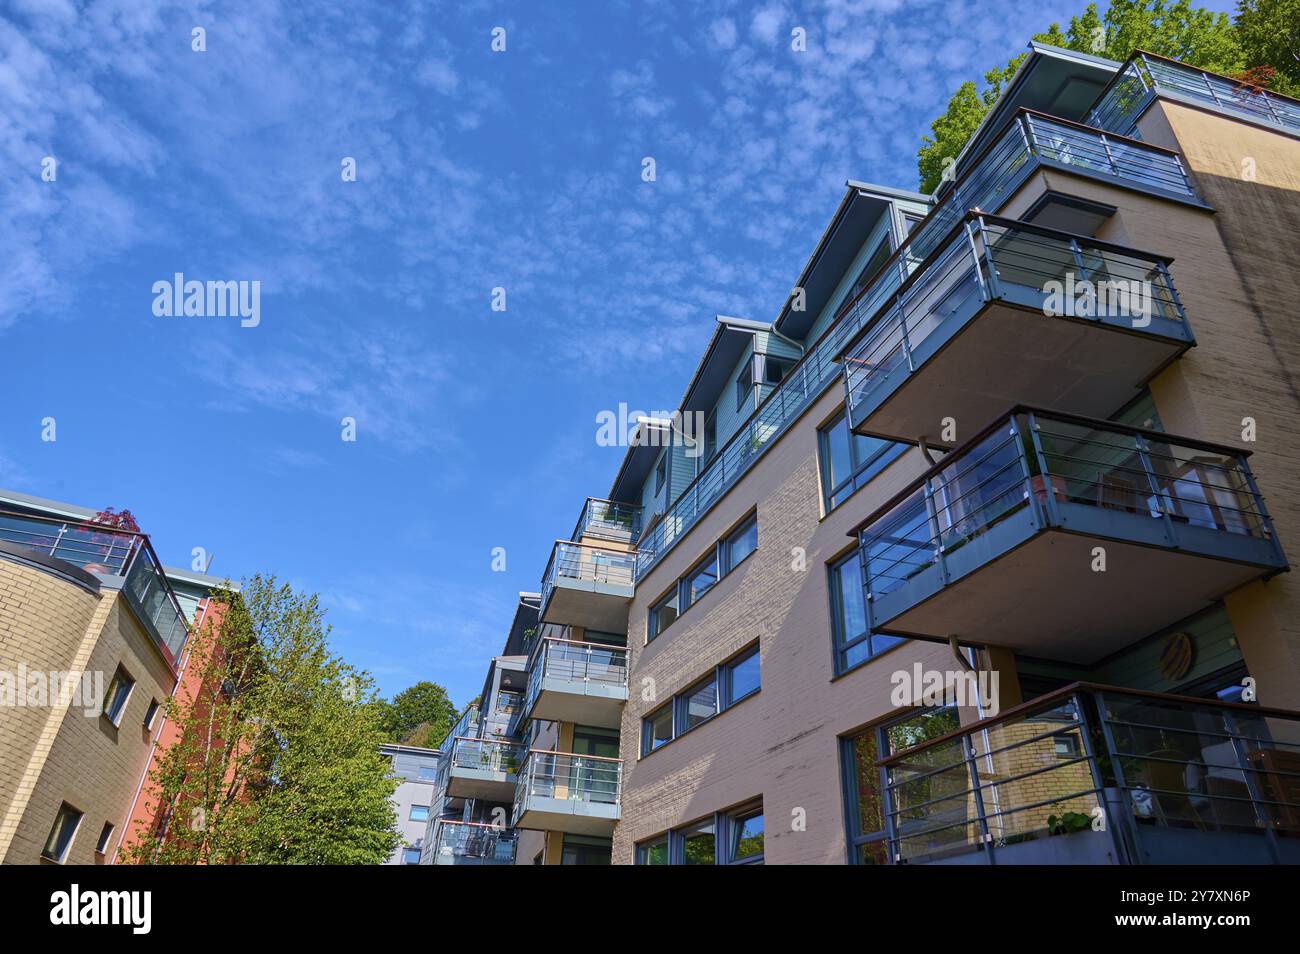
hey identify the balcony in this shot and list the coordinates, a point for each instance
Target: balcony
(1092, 322)
(589, 586)
(1100, 775)
(1146, 77)
(473, 843)
(608, 520)
(559, 791)
(481, 768)
(997, 543)
(1029, 141)
(571, 681)
(120, 556)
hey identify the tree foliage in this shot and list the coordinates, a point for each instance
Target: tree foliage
(421, 715)
(278, 758)
(1266, 33)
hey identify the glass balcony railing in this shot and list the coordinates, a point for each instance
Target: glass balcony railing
(1038, 470)
(486, 755)
(1146, 76)
(547, 778)
(1028, 141)
(1097, 775)
(567, 662)
(609, 519)
(109, 552)
(473, 843)
(996, 259)
(464, 728)
(586, 563)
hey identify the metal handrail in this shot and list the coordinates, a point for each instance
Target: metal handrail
(125, 553)
(1146, 76)
(1027, 140)
(995, 783)
(1044, 460)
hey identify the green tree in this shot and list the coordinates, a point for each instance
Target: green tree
(278, 757)
(1174, 29)
(421, 715)
(1269, 32)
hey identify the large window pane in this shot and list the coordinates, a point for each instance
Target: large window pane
(700, 702)
(742, 677)
(746, 837)
(701, 579)
(663, 613)
(698, 845)
(741, 543)
(653, 852)
(657, 728)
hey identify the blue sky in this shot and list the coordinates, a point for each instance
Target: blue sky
(522, 169)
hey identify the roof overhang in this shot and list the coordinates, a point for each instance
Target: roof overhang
(858, 212)
(1051, 80)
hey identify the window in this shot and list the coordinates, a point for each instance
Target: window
(661, 473)
(119, 690)
(775, 369)
(864, 781)
(657, 728)
(410, 856)
(742, 677)
(701, 579)
(428, 772)
(105, 839)
(698, 704)
(745, 837)
(653, 852)
(586, 850)
(663, 613)
(699, 845)
(151, 713)
(724, 556)
(910, 222)
(726, 685)
(62, 832)
(745, 384)
(710, 439)
(877, 259)
(854, 643)
(850, 461)
(419, 813)
(741, 543)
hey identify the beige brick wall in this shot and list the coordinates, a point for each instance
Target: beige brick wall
(781, 744)
(62, 754)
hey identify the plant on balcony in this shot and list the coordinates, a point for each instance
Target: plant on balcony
(1068, 822)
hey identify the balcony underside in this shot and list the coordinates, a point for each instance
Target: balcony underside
(1034, 590)
(486, 784)
(572, 816)
(584, 703)
(1004, 354)
(591, 604)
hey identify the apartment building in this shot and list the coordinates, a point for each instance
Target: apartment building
(413, 800)
(93, 634)
(1036, 432)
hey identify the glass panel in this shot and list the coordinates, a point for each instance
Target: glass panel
(663, 614)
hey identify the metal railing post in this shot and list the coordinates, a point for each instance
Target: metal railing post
(1252, 787)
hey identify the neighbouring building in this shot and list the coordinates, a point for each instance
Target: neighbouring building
(413, 800)
(93, 636)
(1038, 432)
